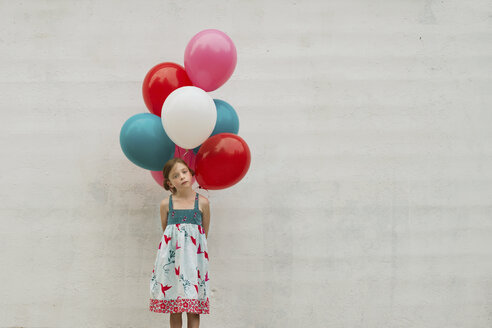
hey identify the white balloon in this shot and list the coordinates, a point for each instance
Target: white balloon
(188, 116)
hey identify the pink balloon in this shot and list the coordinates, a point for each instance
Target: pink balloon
(157, 175)
(210, 59)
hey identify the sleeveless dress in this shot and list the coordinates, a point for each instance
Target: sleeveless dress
(179, 281)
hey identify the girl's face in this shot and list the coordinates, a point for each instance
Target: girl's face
(180, 177)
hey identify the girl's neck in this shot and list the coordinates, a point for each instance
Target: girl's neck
(186, 193)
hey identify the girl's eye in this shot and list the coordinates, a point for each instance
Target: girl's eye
(175, 176)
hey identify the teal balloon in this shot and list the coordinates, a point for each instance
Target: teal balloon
(227, 120)
(145, 143)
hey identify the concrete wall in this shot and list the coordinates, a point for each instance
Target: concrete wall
(368, 200)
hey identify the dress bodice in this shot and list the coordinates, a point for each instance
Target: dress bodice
(192, 215)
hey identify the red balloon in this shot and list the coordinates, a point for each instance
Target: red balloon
(160, 81)
(222, 161)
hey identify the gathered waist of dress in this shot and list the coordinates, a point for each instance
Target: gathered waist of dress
(183, 221)
(181, 217)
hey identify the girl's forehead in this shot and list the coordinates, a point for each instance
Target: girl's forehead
(177, 167)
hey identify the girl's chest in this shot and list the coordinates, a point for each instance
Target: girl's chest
(185, 205)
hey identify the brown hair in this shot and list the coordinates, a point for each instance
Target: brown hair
(167, 169)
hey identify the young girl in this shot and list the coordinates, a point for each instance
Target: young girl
(180, 277)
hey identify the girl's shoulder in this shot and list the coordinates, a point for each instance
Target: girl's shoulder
(203, 203)
(203, 199)
(165, 203)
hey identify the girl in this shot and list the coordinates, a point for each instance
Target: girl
(180, 277)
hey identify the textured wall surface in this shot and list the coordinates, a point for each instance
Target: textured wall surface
(368, 199)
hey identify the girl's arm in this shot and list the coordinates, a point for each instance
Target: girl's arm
(206, 216)
(164, 211)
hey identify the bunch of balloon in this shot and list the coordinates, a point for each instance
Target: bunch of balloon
(195, 127)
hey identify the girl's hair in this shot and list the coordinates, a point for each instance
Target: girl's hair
(167, 169)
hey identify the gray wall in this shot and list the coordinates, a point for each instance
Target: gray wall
(368, 200)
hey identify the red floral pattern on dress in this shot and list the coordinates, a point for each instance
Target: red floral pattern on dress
(164, 288)
(180, 305)
(166, 239)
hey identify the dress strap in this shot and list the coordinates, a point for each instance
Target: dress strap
(170, 202)
(196, 201)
